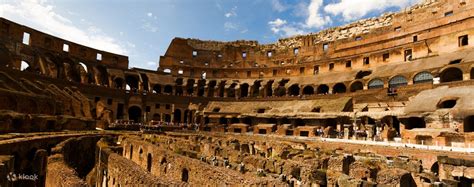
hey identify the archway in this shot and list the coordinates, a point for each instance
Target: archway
(357, 86)
(472, 73)
(231, 90)
(323, 89)
(308, 90)
(211, 88)
(190, 87)
(132, 81)
(414, 123)
(423, 77)
(451, 74)
(269, 88)
(103, 76)
(149, 162)
(375, 83)
(397, 81)
(256, 89)
(118, 83)
(339, 88)
(185, 175)
(135, 114)
(177, 116)
(157, 89)
(168, 89)
(469, 124)
(156, 117)
(167, 118)
(294, 90)
(221, 88)
(244, 90)
(201, 87)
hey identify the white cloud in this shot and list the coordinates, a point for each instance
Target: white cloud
(149, 14)
(231, 13)
(42, 16)
(315, 18)
(151, 64)
(355, 9)
(278, 6)
(230, 26)
(149, 27)
(279, 26)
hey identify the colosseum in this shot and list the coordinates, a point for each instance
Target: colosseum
(385, 101)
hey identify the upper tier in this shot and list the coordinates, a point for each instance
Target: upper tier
(421, 31)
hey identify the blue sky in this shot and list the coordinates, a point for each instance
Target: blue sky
(143, 29)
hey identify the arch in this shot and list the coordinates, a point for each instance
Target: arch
(223, 121)
(168, 89)
(357, 85)
(375, 83)
(145, 84)
(323, 89)
(185, 175)
(280, 91)
(469, 124)
(339, 88)
(149, 162)
(201, 87)
(132, 81)
(103, 75)
(131, 151)
(294, 90)
(414, 123)
(256, 89)
(221, 88)
(308, 90)
(269, 88)
(451, 74)
(423, 77)
(118, 83)
(244, 90)
(135, 114)
(391, 121)
(397, 81)
(167, 118)
(211, 88)
(234, 120)
(177, 116)
(156, 117)
(231, 90)
(84, 67)
(157, 89)
(190, 86)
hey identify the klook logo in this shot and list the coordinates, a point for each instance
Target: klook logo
(16, 177)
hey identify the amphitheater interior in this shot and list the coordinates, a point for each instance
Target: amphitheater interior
(385, 101)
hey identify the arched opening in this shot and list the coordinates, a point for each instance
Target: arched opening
(185, 175)
(211, 88)
(167, 118)
(280, 91)
(269, 88)
(131, 152)
(221, 88)
(186, 116)
(323, 89)
(308, 90)
(168, 89)
(201, 87)
(375, 84)
(118, 83)
(234, 120)
(391, 121)
(247, 120)
(190, 87)
(132, 81)
(469, 124)
(447, 103)
(157, 89)
(231, 90)
(294, 90)
(256, 89)
(244, 90)
(415, 123)
(145, 82)
(84, 67)
(435, 168)
(223, 121)
(177, 116)
(156, 117)
(135, 114)
(397, 81)
(24, 66)
(357, 86)
(103, 75)
(451, 75)
(423, 77)
(149, 162)
(339, 88)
